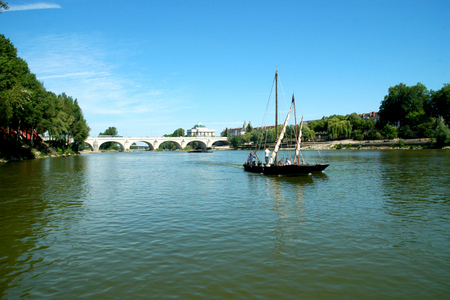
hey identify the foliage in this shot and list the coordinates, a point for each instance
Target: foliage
(389, 132)
(372, 134)
(26, 105)
(4, 6)
(257, 138)
(225, 133)
(439, 104)
(177, 133)
(404, 105)
(425, 130)
(111, 131)
(318, 125)
(406, 132)
(168, 146)
(442, 134)
(308, 133)
(234, 141)
(337, 127)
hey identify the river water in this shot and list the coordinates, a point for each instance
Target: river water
(375, 224)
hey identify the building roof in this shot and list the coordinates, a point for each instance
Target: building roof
(199, 124)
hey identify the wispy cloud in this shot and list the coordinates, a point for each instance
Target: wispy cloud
(40, 5)
(96, 72)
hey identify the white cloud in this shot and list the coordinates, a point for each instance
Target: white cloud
(96, 72)
(33, 6)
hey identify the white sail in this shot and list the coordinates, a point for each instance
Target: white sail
(297, 148)
(277, 146)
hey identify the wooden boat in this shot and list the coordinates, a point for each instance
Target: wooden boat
(274, 167)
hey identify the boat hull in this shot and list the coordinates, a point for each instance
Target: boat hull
(286, 170)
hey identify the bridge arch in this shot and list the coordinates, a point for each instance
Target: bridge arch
(148, 143)
(177, 144)
(202, 143)
(122, 146)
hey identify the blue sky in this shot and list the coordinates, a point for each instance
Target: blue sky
(150, 67)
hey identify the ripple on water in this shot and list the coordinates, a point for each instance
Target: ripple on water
(121, 225)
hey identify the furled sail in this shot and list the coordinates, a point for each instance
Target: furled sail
(277, 146)
(297, 148)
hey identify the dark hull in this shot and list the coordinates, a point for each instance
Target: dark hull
(208, 150)
(291, 170)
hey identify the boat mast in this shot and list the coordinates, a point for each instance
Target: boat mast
(276, 112)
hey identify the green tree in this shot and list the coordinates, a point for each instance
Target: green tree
(4, 6)
(389, 132)
(225, 133)
(177, 133)
(308, 133)
(256, 138)
(319, 125)
(404, 105)
(337, 127)
(439, 104)
(406, 132)
(442, 134)
(79, 130)
(234, 141)
(110, 131)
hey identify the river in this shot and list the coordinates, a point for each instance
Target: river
(374, 225)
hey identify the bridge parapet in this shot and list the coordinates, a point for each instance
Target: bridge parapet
(153, 142)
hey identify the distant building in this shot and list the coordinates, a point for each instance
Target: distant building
(371, 116)
(200, 130)
(238, 131)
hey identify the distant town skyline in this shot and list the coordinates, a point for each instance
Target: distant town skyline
(149, 68)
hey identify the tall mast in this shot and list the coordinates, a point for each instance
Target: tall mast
(276, 112)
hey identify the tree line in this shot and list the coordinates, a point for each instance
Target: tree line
(406, 112)
(26, 106)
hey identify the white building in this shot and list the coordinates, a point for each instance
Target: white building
(200, 130)
(238, 131)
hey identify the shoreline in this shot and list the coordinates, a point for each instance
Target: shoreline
(395, 144)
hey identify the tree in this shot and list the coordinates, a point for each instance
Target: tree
(79, 129)
(442, 134)
(439, 104)
(225, 133)
(26, 106)
(308, 133)
(235, 141)
(389, 132)
(256, 137)
(176, 133)
(4, 6)
(110, 131)
(404, 105)
(337, 127)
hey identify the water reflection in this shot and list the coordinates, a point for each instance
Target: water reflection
(287, 200)
(39, 201)
(416, 184)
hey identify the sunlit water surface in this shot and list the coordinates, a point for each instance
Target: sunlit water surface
(374, 225)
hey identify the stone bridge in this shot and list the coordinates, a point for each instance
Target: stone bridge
(154, 142)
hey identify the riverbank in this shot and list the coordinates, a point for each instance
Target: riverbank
(11, 152)
(423, 143)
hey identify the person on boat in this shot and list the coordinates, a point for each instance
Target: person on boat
(250, 158)
(267, 153)
(287, 162)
